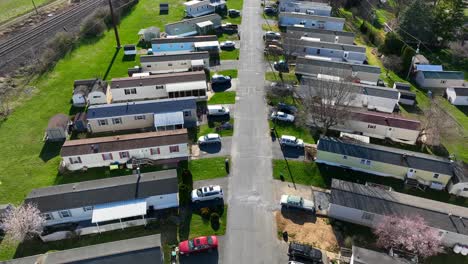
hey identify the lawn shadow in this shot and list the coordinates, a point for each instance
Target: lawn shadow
(463, 109)
(297, 216)
(185, 214)
(292, 152)
(50, 150)
(222, 87)
(111, 63)
(203, 257)
(412, 109)
(211, 148)
(128, 58)
(75, 110)
(359, 235)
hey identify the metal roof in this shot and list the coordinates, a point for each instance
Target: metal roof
(428, 67)
(389, 120)
(160, 79)
(168, 119)
(141, 250)
(306, 16)
(379, 201)
(312, 31)
(453, 75)
(196, 20)
(141, 107)
(184, 39)
(303, 42)
(334, 66)
(367, 256)
(388, 155)
(118, 210)
(58, 121)
(175, 57)
(107, 190)
(460, 91)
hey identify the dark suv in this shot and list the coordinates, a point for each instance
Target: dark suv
(300, 252)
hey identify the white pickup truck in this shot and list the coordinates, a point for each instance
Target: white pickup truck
(292, 201)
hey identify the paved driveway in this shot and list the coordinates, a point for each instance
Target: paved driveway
(213, 257)
(213, 150)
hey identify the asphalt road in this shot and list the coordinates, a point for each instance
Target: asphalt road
(251, 231)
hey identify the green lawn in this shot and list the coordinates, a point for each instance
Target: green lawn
(202, 227)
(209, 168)
(228, 97)
(232, 73)
(211, 128)
(270, 27)
(229, 54)
(299, 172)
(225, 36)
(274, 77)
(12, 8)
(234, 4)
(284, 128)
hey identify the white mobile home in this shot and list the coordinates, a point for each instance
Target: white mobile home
(376, 98)
(207, 43)
(196, 8)
(367, 205)
(310, 21)
(162, 86)
(457, 95)
(164, 114)
(459, 184)
(178, 62)
(305, 7)
(336, 51)
(332, 36)
(381, 126)
(97, 200)
(313, 66)
(165, 147)
(203, 25)
(406, 96)
(438, 81)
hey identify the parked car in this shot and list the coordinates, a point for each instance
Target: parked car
(218, 79)
(130, 49)
(269, 10)
(289, 109)
(275, 42)
(207, 193)
(282, 116)
(233, 12)
(198, 244)
(228, 45)
(291, 141)
(217, 110)
(273, 50)
(305, 252)
(270, 35)
(229, 27)
(292, 201)
(211, 138)
(281, 66)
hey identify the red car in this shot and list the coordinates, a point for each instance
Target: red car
(198, 244)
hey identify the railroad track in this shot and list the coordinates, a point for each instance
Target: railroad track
(17, 45)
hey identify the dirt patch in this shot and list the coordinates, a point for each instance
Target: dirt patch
(306, 228)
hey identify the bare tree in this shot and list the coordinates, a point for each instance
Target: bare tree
(326, 102)
(437, 124)
(392, 63)
(409, 233)
(22, 223)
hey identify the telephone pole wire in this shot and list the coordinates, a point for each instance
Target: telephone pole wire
(114, 23)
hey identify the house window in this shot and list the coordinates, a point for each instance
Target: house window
(116, 121)
(187, 113)
(48, 216)
(367, 216)
(140, 117)
(443, 81)
(107, 156)
(65, 214)
(130, 91)
(158, 87)
(155, 151)
(148, 66)
(345, 157)
(436, 175)
(173, 149)
(183, 63)
(87, 208)
(75, 160)
(363, 161)
(103, 122)
(368, 162)
(124, 154)
(371, 126)
(465, 189)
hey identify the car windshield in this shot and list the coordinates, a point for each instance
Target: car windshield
(199, 192)
(210, 240)
(190, 244)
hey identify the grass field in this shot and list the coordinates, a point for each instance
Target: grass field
(274, 77)
(209, 168)
(202, 227)
(299, 172)
(228, 97)
(12, 8)
(229, 54)
(283, 128)
(232, 73)
(211, 128)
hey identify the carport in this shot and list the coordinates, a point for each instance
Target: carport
(118, 211)
(168, 121)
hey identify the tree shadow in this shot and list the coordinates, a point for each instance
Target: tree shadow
(128, 58)
(185, 214)
(297, 216)
(50, 150)
(111, 63)
(463, 109)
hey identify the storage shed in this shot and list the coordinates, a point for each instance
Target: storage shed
(457, 95)
(147, 34)
(57, 129)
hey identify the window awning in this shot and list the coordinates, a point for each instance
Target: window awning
(168, 119)
(118, 210)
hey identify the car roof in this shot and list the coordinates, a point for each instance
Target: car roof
(280, 113)
(288, 137)
(215, 107)
(218, 76)
(212, 135)
(211, 188)
(294, 199)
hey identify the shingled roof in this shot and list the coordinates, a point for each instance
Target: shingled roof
(175, 57)
(184, 39)
(160, 79)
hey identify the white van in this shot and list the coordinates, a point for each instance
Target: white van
(217, 110)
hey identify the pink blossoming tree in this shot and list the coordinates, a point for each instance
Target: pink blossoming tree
(409, 234)
(23, 222)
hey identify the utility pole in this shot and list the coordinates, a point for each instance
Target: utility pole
(117, 39)
(412, 61)
(35, 7)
